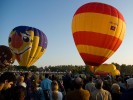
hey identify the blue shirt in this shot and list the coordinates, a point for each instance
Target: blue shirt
(46, 84)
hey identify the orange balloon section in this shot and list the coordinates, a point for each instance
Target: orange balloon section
(98, 30)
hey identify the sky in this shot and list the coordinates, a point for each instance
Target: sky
(54, 18)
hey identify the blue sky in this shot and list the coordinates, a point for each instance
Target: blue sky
(54, 18)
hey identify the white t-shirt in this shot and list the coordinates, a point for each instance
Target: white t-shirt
(23, 84)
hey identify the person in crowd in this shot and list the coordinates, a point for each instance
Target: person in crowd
(122, 84)
(54, 77)
(19, 93)
(107, 83)
(100, 93)
(7, 80)
(60, 85)
(41, 77)
(21, 82)
(128, 95)
(46, 86)
(61, 88)
(37, 92)
(67, 82)
(115, 92)
(78, 93)
(90, 86)
(28, 85)
(55, 94)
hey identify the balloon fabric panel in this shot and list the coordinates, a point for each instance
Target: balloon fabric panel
(96, 39)
(98, 23)
(40, 50)
(99, 8)
(34, 48)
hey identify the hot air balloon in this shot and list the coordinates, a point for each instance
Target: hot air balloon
(6, 57)
(28, 44)
(98, 30)
(105, 69)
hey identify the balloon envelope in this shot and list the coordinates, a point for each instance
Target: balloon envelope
(98, 31)
(28, 44)
(106, 69)
(6, 56)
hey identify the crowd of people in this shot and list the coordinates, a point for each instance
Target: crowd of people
(40, 86)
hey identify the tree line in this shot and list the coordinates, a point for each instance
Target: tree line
(80, 69)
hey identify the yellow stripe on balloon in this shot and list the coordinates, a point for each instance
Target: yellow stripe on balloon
(95, 50)
(101, 24)
(38, 51)
(38, 56)
(34, 48)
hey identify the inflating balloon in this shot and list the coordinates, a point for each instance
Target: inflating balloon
(106, 69)
(98, 31)
(28, 44)
(6, 56)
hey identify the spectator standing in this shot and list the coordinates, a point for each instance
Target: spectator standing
(78, 93)
(19, 93)
(100, 93)
(115, 92)
(128, 94)
(55, 94)
(20, 81)
(46, 86)
(90, 86)
(28, 85)
(7, 80)
(37, 92)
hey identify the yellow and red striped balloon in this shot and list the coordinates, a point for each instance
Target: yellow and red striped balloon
(98, 31)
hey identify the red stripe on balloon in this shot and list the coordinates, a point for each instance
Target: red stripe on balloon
(93, 59)
(100, 8)
(97, 40)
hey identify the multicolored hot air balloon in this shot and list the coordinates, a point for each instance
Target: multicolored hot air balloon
(28, 44)
(98, 31)
(6, 57)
